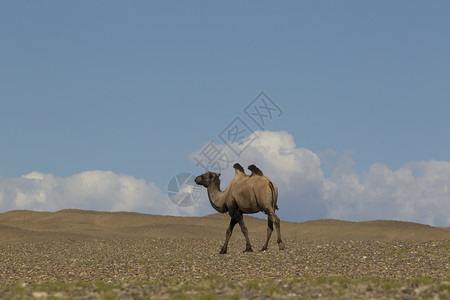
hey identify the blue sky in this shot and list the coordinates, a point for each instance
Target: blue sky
(135, 89)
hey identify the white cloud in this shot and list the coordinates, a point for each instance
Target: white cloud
(296, 171)
(96, 190)
(417, 192)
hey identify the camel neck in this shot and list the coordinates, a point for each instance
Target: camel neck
(216, 197)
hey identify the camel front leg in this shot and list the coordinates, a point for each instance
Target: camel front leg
(233, 222)
(248, 246)
(269, 233)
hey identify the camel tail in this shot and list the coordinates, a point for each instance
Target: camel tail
(274, 196)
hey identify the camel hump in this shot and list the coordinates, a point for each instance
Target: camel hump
(238, 167)
(255, 170)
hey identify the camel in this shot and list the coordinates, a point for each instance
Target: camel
(244, 195)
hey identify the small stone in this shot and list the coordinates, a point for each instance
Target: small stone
(59, 295)
(40, 295)
(407, 290)
(421, 289)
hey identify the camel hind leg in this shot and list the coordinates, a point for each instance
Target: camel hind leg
(274, 218)
(269, 233)
(266, 197)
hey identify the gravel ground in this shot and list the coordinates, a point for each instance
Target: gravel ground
(191, 269)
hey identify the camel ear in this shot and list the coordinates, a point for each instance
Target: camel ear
(218, 174)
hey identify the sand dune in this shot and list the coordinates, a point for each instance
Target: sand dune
(81, 224)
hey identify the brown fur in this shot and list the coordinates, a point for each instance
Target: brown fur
(244, 195)
(255, 171)
(237, 167)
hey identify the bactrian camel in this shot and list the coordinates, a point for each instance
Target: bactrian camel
(244, 195)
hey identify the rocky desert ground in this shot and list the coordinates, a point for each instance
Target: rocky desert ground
(73, 254)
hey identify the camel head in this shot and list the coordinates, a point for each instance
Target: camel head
(207, 178)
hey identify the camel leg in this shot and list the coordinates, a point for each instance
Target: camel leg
(248, 247)
(228, 235)
(276, 221)
(269, 233)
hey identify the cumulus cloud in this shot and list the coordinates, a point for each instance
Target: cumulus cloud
(96, 190)
(296, 171)
(417, 192)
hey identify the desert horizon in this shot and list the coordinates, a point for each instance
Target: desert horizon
(89, 224)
